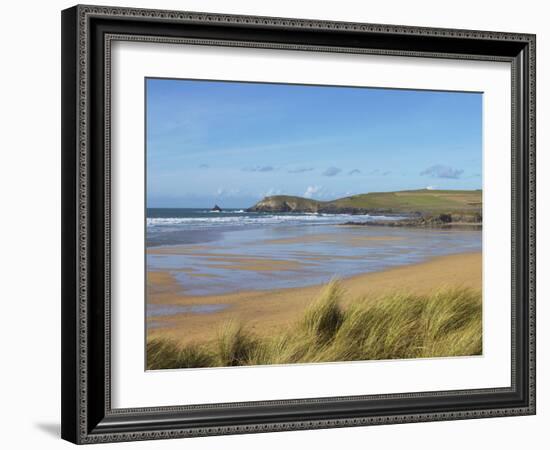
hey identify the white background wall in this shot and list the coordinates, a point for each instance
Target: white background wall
(30, 223)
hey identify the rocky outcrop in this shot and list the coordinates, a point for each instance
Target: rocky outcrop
(435, 221)
(286, 203)
(283, 203)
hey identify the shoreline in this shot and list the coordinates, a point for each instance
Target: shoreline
(265, 312)
(405, 223)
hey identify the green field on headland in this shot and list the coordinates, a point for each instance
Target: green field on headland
(418, 201)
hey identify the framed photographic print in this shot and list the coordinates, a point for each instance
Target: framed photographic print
(277, 224)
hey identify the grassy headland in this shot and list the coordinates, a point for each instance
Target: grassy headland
(457, 205)
(395, 326)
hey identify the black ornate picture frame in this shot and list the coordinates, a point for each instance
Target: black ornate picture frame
(87, 34)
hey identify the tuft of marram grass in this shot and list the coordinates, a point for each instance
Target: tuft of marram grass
(234, 345)
(166, 354)
(324, 316)
(447, 322)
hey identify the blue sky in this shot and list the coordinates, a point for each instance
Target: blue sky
(234, 143)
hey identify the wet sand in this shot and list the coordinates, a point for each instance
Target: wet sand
(334, 237)
(267, 312)
(337, 238)
(282, 256)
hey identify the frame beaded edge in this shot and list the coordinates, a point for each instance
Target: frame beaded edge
(83, 14)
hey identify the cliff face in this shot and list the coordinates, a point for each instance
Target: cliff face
(286, 203)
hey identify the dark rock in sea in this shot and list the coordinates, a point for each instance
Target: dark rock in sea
(470, 221)
(216, 208)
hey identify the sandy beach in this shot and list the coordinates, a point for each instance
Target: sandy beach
(196, 318)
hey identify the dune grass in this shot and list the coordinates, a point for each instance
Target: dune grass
(399, 326)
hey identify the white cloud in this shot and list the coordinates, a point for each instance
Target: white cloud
(312, 190)
(259, 169)
(300, 170)
(430, 188)
(441, 171)
(332, 171)
(222, 192)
